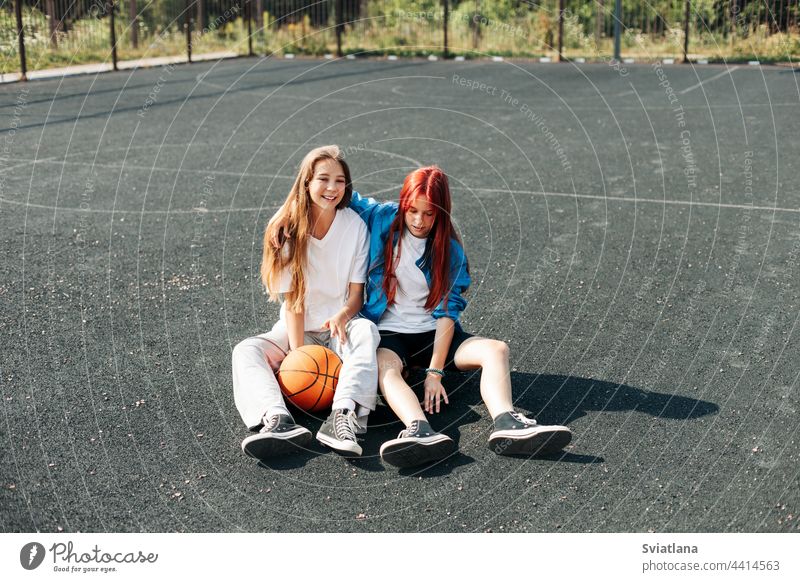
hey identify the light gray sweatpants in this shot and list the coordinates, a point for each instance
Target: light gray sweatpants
(256, 359)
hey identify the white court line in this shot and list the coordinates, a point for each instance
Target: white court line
(717, 76)
(168, 170)
(693, 203)
(261, 91)
(656, 201)
(72, 163)
(390, 188)
(692, 88)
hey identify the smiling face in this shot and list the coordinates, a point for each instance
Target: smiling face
(420, 217)
(327, 185)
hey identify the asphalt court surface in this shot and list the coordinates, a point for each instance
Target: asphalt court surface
(632, 234)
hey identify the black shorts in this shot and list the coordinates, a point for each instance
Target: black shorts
(416, 349)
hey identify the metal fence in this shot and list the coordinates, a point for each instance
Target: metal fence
(40, 34)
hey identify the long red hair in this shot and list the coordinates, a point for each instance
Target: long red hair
(431, 184)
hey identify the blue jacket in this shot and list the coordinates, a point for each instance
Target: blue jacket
(379, 217)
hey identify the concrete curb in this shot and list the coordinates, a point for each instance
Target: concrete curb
(121, 65)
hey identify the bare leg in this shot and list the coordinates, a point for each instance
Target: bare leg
(399, 395)
(492, 356)
(513, 434)
(418, 443)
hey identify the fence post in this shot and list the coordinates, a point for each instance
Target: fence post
(617, 29)
(446, 19)
(111, 6)
(560, 30)
(476, 28)
(339, 26)
(686, 33)
(249, 4)
(21, 36)
(53, 22)
(599, 24)
(134, 16)
(187, 22)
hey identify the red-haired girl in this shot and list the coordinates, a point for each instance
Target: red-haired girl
(417, 274)
(319, 269)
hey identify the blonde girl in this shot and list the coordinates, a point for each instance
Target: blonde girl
(318, 273)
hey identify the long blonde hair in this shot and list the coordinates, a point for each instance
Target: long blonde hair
(296, 213)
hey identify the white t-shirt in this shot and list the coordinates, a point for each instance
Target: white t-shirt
(408, 314)
(335, 261)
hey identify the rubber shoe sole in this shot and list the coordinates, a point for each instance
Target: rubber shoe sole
(344, 448)
(410, 452)
(538, 440)
(266, 445)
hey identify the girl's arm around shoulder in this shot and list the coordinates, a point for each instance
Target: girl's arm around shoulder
(370, 209)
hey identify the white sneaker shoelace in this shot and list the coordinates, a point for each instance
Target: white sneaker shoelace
(269, 423)
(344, 426)
(523, 419)
(414, 427)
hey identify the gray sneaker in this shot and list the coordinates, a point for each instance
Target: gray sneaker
(339, 432)
(514, 434)
(416, 445)
(279, 436)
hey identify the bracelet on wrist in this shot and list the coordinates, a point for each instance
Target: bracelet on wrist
(436, 371)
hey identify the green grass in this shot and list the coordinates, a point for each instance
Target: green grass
(533, 35)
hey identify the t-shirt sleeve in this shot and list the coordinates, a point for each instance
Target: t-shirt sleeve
(285, 284)
(359, 272)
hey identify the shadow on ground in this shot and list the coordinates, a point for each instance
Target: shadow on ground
(551, 399)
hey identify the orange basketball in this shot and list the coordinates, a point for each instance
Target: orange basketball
(308, 377)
